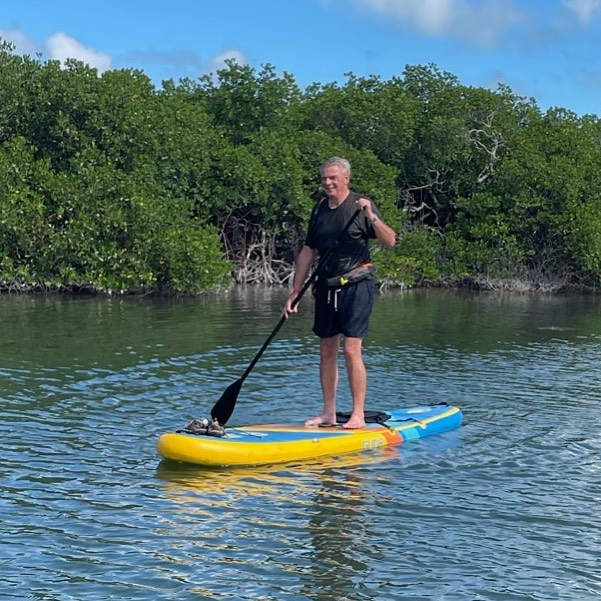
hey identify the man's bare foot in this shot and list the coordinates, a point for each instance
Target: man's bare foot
(354, 423)
(320, 420)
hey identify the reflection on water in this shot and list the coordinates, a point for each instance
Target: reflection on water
(254, 512)
(506, 507)
(339, 511)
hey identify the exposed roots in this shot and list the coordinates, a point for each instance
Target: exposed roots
(256, 255)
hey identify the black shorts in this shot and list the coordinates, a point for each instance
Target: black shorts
(345, 311)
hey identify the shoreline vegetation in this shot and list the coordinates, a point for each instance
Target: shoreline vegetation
(481, 284)
(111, 185)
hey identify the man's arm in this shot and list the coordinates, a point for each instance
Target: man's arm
(385, 234)
(301, 272)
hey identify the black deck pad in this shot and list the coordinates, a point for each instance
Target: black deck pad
(371, 417)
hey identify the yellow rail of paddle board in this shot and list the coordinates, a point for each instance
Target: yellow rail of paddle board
(212, 451)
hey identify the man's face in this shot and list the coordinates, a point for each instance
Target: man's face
(334, 181)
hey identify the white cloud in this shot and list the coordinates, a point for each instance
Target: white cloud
(584, 9)
(61, 47)
(23, 44)
(481, 22)
(218, 61)
(187, 64)
(58, 46)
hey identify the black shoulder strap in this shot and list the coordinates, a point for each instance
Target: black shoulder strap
(314, 212)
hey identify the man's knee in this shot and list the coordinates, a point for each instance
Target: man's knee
(352, 349)
(329, 347)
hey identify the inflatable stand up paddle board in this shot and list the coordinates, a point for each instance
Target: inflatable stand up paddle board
(207, 444)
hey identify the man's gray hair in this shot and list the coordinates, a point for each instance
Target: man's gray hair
(342, 163)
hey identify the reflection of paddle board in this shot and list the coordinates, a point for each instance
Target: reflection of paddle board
(276, 443)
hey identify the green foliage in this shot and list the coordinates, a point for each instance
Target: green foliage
(415, 260)
(243, 102)
(531, 216)
(583, 237)
(109, 183)
(366, 113)
(23, 227)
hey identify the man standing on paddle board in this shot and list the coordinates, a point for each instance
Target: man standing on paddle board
(345, 287)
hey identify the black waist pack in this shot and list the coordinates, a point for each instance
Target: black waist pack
(351, 277)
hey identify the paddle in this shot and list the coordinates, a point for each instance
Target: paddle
(222, 410)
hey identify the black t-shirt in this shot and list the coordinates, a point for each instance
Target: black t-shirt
(325, 226)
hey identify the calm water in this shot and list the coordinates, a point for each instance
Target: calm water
(505, 508)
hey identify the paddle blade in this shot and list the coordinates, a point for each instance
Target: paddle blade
(222, 410)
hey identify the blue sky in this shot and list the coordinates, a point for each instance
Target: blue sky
(549, 50)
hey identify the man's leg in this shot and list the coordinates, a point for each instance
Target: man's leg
(328, 372)
(357, 376)
(355, 310)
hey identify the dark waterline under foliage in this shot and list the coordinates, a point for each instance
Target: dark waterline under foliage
(108, 184)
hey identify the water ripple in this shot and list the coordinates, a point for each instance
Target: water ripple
(504, 508)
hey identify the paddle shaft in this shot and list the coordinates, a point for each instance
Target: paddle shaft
(224, 407)
(296, 300)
